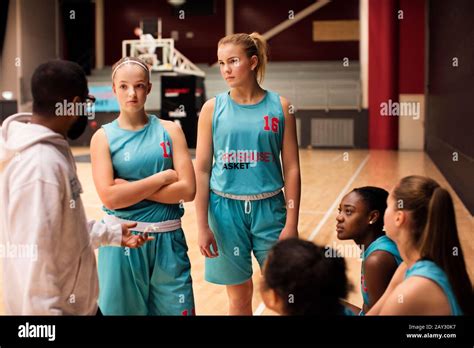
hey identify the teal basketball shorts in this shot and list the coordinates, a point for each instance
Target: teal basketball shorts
(154, 279)
(240, 228)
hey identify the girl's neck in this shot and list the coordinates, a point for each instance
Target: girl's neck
(408, 252)
(132, 121)
(410, 256)
(368, 238)
(247, 94)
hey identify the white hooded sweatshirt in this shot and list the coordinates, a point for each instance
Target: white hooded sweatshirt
(46, 244)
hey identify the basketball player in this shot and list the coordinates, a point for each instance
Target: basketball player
(299, 279)
(360, 218)
(244, 130)
(432, 280)
(143, 173)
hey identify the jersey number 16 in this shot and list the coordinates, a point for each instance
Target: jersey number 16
(274, 122)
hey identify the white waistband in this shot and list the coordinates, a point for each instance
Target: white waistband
(149, 227)
(256, 197)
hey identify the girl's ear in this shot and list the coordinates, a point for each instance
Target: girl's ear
(374, 216)
(253, 62)
(271, 300)
(149, 88)
(113, 87)
(400, 218)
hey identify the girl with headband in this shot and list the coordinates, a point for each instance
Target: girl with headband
(143, 173)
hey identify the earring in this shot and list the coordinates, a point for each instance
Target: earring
(371, 222)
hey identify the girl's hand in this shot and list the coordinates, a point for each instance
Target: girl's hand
(206, 239)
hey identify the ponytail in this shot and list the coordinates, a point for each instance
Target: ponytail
(435, 234)
(440, 228)
(440, 243)
(262, 54)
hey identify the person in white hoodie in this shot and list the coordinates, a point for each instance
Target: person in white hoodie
(47, 245)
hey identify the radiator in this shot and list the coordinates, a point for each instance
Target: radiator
(332, 132)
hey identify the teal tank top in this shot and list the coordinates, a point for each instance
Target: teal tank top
(247, 142)
(382, 243)
(137, 155)
(430, 270)
(347, 312)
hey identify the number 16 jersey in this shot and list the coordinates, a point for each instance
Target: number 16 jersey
(247, 143)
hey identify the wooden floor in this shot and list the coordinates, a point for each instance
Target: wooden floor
(326, 176)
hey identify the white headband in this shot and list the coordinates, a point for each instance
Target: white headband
(128, 61)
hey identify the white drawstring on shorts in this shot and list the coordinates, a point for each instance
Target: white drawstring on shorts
(248, 206)
(248, 198)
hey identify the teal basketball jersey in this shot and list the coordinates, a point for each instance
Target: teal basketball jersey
(137, 155)
(430, 270)
(247, 143)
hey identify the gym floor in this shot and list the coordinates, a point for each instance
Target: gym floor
(326, 176)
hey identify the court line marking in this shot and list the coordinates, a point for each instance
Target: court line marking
(261, 307)
(338, 199)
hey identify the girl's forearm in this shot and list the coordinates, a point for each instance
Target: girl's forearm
(202, 198)
(122, 196)
(178, 192)
(292, 196)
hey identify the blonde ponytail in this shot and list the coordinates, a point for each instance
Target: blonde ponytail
(262, 54)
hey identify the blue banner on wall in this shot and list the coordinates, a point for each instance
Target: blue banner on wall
(105, 100)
